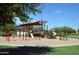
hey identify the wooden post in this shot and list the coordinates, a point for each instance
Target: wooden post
(23, 33)
(19, 33)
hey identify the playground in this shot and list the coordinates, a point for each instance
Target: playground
(20, 34)
(25, 35)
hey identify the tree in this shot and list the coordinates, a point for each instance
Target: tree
(8, 11)
(78, 30)
(21, 10)
(8, 27)
(1, 28)
(57, 29)
(67, 29)
(64, 29)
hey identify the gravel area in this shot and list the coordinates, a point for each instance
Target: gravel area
(16, 41)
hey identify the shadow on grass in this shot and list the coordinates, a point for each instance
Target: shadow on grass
(26, 50)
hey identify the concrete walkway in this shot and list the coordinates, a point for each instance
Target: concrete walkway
(16, 41)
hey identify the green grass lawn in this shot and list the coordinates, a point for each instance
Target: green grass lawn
(73, 36)
(5, 46)
(67, 50)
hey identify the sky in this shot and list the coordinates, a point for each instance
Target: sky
(58, 14)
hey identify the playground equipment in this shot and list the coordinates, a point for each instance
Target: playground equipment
(26, 29)
(8, 34)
